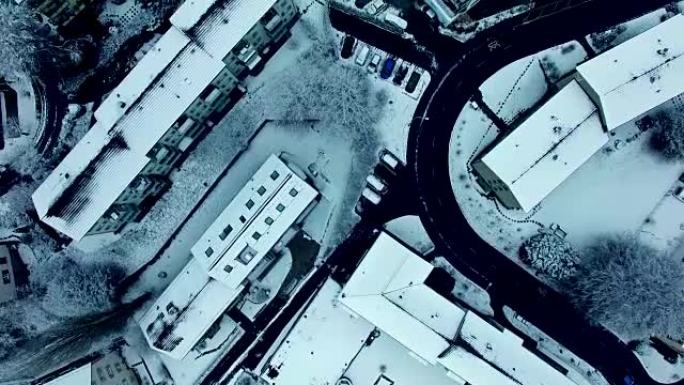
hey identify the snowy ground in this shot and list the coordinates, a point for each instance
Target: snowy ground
(659, 369)
(578, 370)
(621, 167)
(409, 229)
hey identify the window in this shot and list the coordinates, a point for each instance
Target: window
(293, 192)
(269, 221)
(280, 207)
(249, 204)
(275, 175)
(256, 235)
(3, 261)
(6, 277)
(228, 268)
(207, 91)
(209, 251)
(261, 190)
(243, 219)
(246, 255)
(225, 232)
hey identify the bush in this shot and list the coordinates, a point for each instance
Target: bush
(631, 288)
(11, 335)
(668, 139)
(550, 255)
(72, 290)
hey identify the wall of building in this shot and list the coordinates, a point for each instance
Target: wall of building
(8, 289)
(491, 183)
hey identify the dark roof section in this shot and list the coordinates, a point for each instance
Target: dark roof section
(75, 196)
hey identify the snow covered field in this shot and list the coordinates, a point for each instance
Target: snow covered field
(659, 369)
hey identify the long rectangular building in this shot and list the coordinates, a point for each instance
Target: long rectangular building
(177, 91)
(534, 159)
(637, 75)
(273, 200)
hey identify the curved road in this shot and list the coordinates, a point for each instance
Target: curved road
(467, 66)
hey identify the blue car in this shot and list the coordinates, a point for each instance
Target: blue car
(387, 68)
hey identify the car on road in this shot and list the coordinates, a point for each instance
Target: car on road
(679, 193)
(348, 46)
(362, 56)
(373, 65)
(412, 82)
(371, 196)
(390, 161)
(388, 68)
(376, 184)
(400, 75)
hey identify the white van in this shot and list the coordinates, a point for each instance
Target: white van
(396, 21)
(371, 196)
(362, 56)
(376, 184)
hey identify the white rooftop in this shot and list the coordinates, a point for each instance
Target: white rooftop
(134, 118)
(388, 289)
(254, 221)
(142, 76)
(220, 28)
(505, 350)
(639, 74)
(80, 376)
(322, 344)
(549, 146)
(187, 309)
(86, 183)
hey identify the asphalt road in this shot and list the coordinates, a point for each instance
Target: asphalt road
(461, 70)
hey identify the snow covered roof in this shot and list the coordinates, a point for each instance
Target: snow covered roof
(80, 376)
(388, 289)
(254, 221)
(218, 29)
(86, 183)
(473, 369)
(548, 147)
(506, 351)
(185, 311)
(134, 118)
(141, 77)
(639, 74)
(325, 333)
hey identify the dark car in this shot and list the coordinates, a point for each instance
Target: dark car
(401, 74)
(361, 3)
(348, 45)
(387, 68)
(412, 82)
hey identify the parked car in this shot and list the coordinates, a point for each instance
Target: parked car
(371, 196)
(376, 184)
(373, 65)
(400, 75)
(361, 3)
(679, 193)
(348, 45)
(396, 21)
(412, 82)
(362, 56)
(424, 8)
(388, 67)
(390, 161)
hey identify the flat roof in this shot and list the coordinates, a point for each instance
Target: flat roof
(254, 221)
(388, 289)
(186, 310)
(639, 74)
(322, 344)
(113, 152)
(218, 29)
(549, 146)
(80, 376)
(87, 182)
(506, 351)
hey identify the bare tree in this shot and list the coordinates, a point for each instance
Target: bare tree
(631, 288)
(668, 139)
(71, 289)
(25, 45)
(551, 255)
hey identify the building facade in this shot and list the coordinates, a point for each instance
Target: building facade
(145, 127)
(101, 369)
